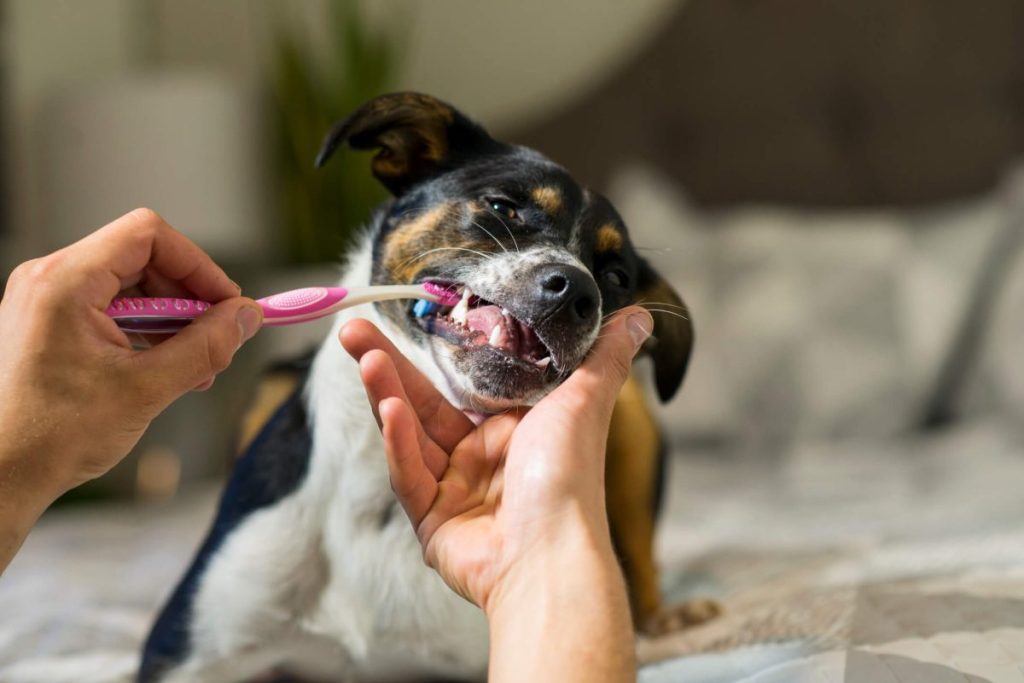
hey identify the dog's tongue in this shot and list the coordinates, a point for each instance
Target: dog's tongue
(492, 323)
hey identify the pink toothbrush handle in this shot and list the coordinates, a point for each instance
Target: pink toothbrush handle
(167, 316)
(163, 315)
(157, 315)
(300, 305)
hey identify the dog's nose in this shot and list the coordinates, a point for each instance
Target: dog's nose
(567, 293)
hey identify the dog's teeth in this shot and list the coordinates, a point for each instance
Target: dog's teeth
(544, 362)
(461, 308)
(495, 336)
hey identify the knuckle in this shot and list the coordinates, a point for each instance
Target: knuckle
(21, 272)
(146, 217)
(41, 270)
(145, 225)
(41, 277)
(145, 232)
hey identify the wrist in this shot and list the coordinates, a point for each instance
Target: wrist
(565, 602)
(36, 456)
(27, 489)
(561, 558)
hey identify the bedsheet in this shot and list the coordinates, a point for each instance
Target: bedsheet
(856, 561)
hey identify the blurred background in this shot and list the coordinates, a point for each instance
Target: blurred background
(211, 113)
(828, 184)
(832, 186)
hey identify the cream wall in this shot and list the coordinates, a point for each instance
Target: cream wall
(500, 61)
(48, 43)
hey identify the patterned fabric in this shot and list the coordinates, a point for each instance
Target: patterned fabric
(905, 557)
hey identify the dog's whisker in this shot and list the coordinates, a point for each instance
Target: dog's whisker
(509, 231)
(489, 234)
(667, 312)
(412, 259)
(669, 304)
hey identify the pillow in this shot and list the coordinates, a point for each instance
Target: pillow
(809, 323)
(997, 385)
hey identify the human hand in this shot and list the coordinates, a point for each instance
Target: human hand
(493, 503)
(78, 395)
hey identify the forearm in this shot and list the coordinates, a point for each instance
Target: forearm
(25, 492)
(564, 617)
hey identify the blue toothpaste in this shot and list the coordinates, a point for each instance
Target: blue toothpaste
(423, 308)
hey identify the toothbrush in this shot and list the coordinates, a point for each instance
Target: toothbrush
(161, 315)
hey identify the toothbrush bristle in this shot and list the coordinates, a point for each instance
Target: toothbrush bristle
(447, 295)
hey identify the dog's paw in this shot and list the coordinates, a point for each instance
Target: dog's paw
(681, 615)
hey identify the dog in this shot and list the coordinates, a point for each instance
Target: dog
(310, 567)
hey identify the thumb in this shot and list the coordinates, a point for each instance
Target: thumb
(604, 371)
(199, 351)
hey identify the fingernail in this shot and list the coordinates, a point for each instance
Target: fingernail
(639, 326)
(237, 286)
(249, 320)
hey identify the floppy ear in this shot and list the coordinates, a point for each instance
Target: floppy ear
(672, 339)
(418, 137)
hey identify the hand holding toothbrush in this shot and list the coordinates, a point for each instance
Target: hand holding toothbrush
(77, 396)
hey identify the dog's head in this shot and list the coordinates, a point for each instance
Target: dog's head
(538, 260)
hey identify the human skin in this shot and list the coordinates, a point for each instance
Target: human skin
(511, 512)
(77, 396)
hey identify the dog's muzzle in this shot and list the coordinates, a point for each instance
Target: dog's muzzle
(542, 320)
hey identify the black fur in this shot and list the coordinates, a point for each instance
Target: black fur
(273, 467)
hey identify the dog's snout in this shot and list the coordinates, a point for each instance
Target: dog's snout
(568, 293)
(556, 283)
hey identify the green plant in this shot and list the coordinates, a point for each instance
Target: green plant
(322, 208)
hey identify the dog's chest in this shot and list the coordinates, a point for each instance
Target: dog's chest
(389, 610)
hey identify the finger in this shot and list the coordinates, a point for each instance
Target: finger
(118, 252)
(197, 353)
(155, 283)
(595, 385)
(411, 481)
(443, 422)
(382, 382)
(152, 283)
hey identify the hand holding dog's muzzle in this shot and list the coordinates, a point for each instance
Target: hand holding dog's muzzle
(484, 500)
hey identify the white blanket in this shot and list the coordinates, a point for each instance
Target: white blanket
(854, 562)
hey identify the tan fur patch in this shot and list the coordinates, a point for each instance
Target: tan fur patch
(631, 474)
(549, 199)
(608, 239)
(410, 240)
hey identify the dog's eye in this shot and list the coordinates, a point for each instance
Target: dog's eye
(503, 208)
(616, 277)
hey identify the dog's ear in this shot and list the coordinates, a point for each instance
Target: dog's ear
(671, 341)
(418, 137)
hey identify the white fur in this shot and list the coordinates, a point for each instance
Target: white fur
(314, 579)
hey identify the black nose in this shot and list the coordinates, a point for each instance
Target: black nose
(567, 293)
